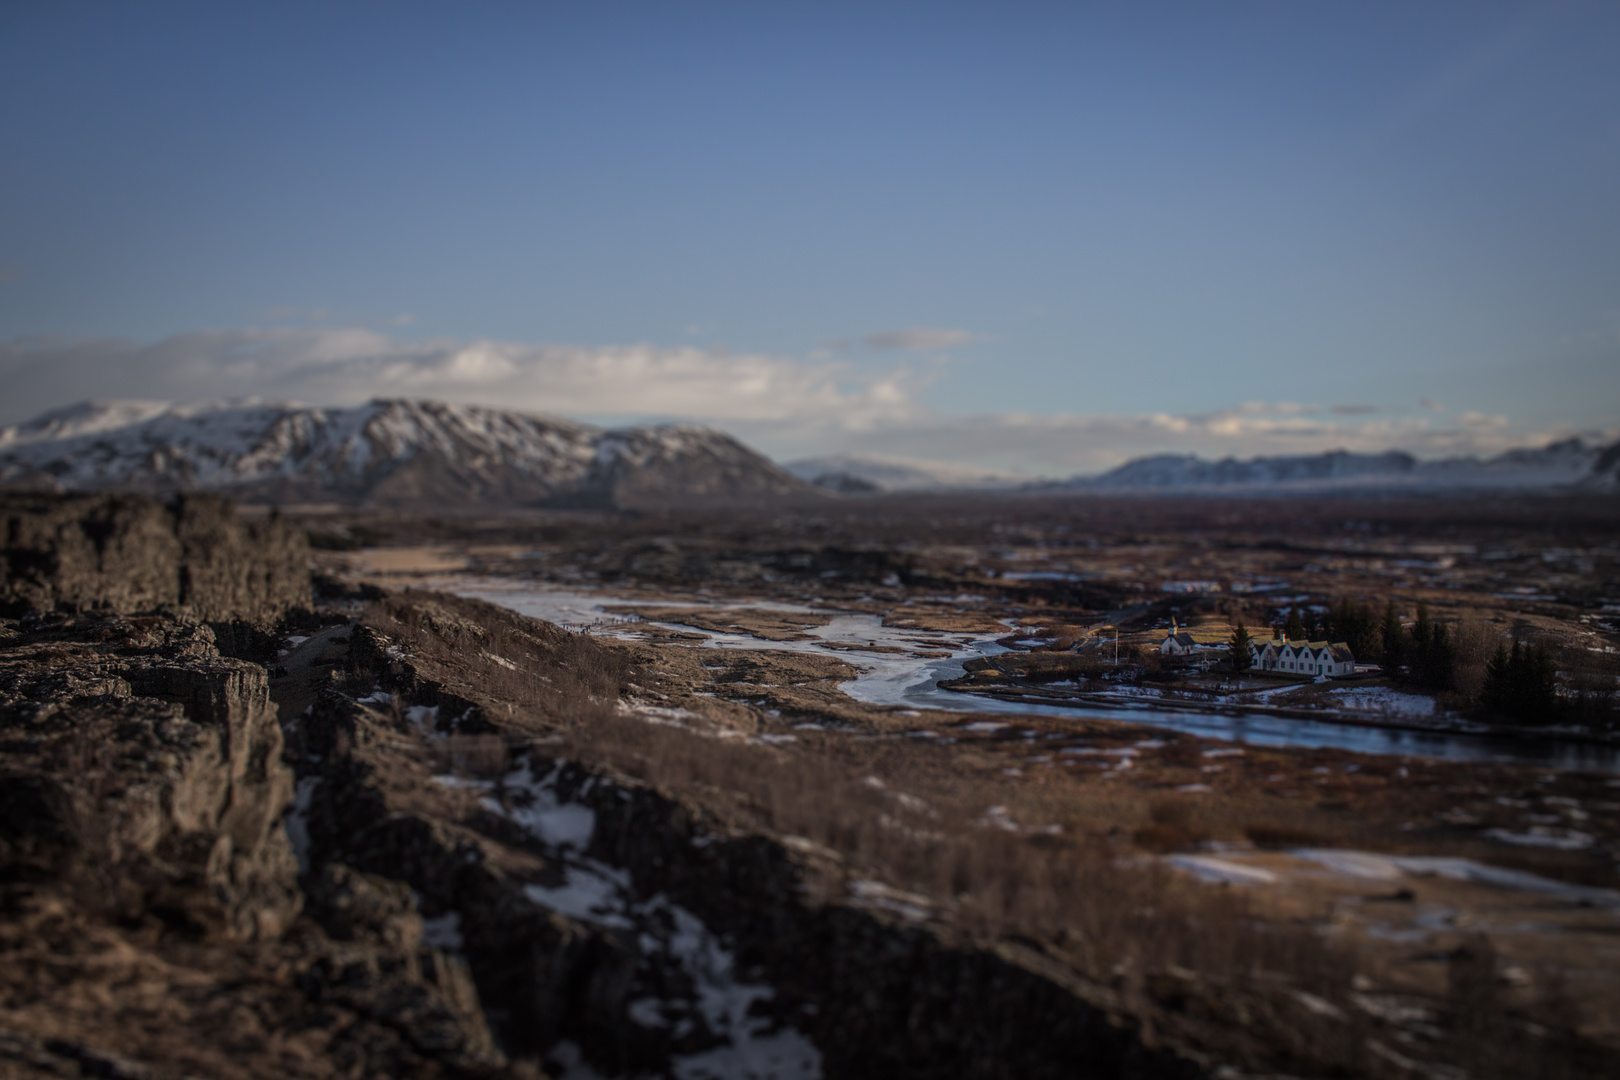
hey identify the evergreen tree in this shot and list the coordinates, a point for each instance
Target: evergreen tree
(1421, 630)
(1437, 664)
(1295, 629)
(1498, 678)
(1238, 654)
(1431, 661)
(1354, 624)
(1392, 641)
(1521, 683)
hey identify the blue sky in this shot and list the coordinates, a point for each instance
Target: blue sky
(1023, 236)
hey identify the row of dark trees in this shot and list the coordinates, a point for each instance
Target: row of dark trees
(1520, 682)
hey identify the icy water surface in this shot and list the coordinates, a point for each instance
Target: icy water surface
(912, 682)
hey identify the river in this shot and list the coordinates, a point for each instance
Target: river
(912, 682)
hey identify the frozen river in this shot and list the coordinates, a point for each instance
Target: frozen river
(912, 682)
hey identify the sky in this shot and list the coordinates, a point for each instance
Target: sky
(1038, 238)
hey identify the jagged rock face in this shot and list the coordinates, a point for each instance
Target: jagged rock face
(131, 743)
(402, 454)
(152, 917)
(130, 553)
(150, 901)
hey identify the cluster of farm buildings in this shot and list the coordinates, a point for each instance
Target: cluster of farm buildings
(1326, 659)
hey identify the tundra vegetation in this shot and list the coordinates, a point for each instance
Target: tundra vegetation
(509, 843)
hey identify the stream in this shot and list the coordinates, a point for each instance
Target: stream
(912, 682)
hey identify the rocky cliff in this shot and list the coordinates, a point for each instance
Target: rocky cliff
(153, 922)
(131, 553)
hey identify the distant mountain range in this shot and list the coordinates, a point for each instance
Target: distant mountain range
(1570, 464)
(387, 453)
(431, 454)
(851, 474)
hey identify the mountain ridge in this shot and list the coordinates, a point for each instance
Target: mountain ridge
(870, 474)
(386, 453)
(1568, 463)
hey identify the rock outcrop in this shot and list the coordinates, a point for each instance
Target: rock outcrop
(153, 922)
(130, 553)
(609, 924)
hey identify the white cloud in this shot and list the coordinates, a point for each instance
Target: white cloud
(788, 408)
(336, 366)
(1065, 445)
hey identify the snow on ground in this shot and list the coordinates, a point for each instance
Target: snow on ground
(562, 824)
(667, 935)
(1542, 836)
(297, 820)
(875, 894)
(1222, 871)
(425, 717)
(443, 932)
(1382, 701)
(1372, 866)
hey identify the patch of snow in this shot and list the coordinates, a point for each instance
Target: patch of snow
(464, 783)
(425, 717)
(998, 817)
(443, 932)
(563, 824)
(875, 894)
(602, 895)
(659, 714)
(648, 1012)
(589, 895)
(984, 725)
(1543, 836)
(297, 820)
(1319, 1006)
(1369, 865)
(1383, 701)
(1223, 871)
(568, 1062)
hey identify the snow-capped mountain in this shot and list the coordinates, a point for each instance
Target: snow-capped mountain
(1571, 463)
(853, 474)
(384, 453)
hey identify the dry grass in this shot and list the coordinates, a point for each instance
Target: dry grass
(1132, 925)
(1122, 922)
(992, 882)
(504, 661)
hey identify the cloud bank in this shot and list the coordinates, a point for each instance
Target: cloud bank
(787, 407)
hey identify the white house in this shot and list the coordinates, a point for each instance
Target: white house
(1304, 658)
(1196, 643)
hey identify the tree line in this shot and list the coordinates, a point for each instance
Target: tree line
(1520, 682)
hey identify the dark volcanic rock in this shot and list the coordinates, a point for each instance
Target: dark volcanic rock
(151, 918)
(131, 553)
(596, 913)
